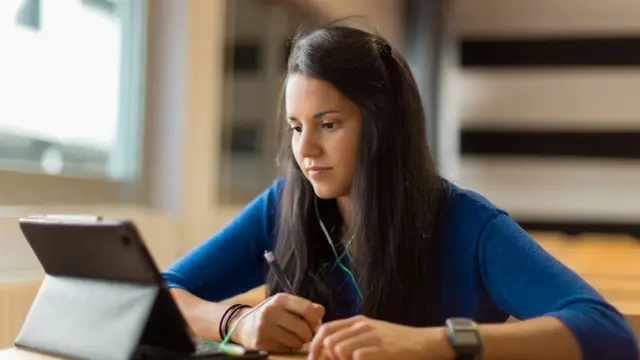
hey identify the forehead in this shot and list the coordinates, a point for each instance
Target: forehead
(304, 94)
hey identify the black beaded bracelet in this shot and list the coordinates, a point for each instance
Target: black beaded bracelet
(222, 325)
(232, 314)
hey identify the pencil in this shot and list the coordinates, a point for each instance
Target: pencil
(278, 272)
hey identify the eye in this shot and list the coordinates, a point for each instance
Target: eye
(297, 129)
(330, 125)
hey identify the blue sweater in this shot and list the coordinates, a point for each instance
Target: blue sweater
(492, 269)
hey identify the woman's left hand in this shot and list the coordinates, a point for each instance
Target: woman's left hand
(359, 338)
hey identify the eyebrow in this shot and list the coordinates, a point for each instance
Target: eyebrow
(317, 115)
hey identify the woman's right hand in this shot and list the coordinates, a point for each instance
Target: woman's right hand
(282, 324)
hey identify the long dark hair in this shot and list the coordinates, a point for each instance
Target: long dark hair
(396, 194)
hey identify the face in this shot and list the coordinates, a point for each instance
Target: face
(326, 134)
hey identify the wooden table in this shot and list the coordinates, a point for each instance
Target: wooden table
(17, 354)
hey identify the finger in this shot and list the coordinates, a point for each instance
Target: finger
(336, 340)
(367, 353)
(319, 311)
(310, 312)
(315, 349)
(285, 338)
(295, 325)
(345, 349)
(274, 347)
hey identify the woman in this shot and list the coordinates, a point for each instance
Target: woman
(386, 258)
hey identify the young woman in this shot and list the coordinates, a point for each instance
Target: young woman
(386, 258)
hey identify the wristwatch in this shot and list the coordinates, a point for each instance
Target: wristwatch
(464, 338)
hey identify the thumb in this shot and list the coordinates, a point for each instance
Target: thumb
(319, 310)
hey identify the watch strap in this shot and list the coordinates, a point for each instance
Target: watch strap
(464, 338)
(465, 357)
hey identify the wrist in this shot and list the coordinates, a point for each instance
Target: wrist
(464, 339)
(236, 336)
(435, 344)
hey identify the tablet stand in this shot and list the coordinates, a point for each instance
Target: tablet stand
(86, 318)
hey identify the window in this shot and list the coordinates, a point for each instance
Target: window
(71, 95)
(28, 15)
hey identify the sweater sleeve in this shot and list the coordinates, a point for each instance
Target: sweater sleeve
(526, 281)
(231, 261)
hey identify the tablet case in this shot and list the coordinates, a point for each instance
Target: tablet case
(102, 296)
(87, 318)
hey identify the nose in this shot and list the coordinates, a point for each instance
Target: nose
(309, 144)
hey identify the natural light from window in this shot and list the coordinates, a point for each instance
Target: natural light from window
(61, 90)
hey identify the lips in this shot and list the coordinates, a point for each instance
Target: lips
(318, 168)
(316, 172)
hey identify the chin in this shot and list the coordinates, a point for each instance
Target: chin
(326, 191)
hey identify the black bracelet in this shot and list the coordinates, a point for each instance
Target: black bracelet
(221, 326)
(231, 315)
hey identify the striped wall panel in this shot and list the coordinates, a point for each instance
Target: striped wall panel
(551, 99)
(515, 18)
(550, 51)
(550, 117)
(551, 144)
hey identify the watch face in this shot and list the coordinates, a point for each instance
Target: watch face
(462, 324)
(466, 338)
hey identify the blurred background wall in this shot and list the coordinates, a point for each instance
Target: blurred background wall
(548, 108)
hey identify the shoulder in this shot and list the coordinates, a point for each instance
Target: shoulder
(466, 215)
(269, 198)
(268, 201)
(261, 213)
(469, 207)
(274, 191)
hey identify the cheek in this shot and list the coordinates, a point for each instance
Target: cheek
(346, 149)
(294, 149)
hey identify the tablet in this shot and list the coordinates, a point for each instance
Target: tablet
(94, 251)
